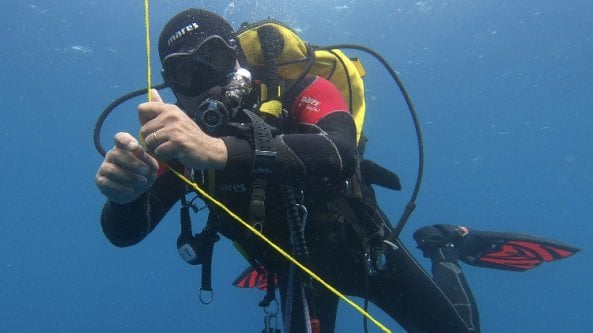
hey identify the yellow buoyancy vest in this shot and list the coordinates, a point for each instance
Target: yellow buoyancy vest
(294, 58)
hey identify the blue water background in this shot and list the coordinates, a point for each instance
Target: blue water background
(504, 95)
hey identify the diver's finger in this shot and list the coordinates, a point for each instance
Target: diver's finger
(150, 110)
(155, 96)
(121, 174)
(152, 164)
(119, 188)
(126, 142)
(130, 156)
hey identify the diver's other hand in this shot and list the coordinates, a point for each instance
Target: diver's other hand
(169, 133)
(127, 170)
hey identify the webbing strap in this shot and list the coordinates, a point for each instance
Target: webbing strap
(272, 45)
(263, 165)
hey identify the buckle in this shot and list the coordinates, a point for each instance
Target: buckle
(263, 162)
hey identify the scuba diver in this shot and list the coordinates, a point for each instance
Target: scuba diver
(286, 154)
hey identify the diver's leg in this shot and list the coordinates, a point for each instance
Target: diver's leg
(436, 244)
(448, 275)
(407, 293)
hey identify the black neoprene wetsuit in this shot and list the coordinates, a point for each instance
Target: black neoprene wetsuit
(316, 153)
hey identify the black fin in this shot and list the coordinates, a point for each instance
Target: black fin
(511, 251)
(498, 250)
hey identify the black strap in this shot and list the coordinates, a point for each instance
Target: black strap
(207, 275)
(209, 236)
(263, 165)
(272, 45)
(270, 289)
(198, 249)
(296, 224)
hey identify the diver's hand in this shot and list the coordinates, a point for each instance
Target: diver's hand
(127, 170)
(169, 133)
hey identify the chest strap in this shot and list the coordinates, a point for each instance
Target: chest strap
(263, 165)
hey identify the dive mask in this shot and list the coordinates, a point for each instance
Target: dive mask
(193, 72)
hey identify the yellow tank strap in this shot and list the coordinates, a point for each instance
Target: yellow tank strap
(271, 108)
(264, 91)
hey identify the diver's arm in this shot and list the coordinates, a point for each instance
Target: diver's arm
(320, 149)
(127, 224)
(327, 149)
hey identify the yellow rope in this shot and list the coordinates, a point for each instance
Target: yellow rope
(235, 216)
(148, 65)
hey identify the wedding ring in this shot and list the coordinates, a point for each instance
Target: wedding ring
(156, 138)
